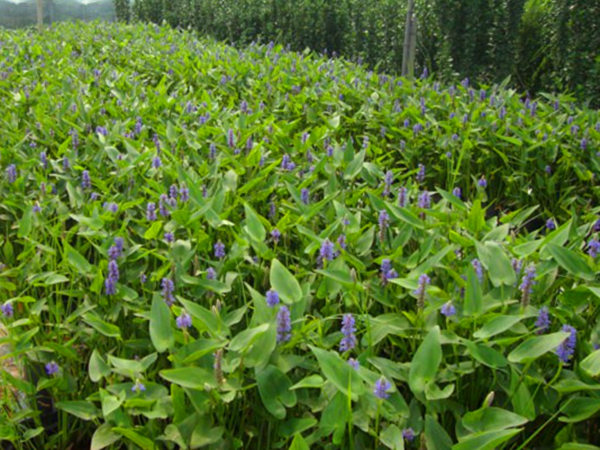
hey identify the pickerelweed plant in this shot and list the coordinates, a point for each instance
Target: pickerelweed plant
(292, 260)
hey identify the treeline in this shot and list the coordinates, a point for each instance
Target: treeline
(544, 45)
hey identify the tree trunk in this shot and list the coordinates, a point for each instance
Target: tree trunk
(40, 14)
(410, 42)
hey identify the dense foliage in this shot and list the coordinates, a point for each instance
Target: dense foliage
(208, 246)
(549, 45)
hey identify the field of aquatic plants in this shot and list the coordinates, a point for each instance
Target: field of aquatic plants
(208, 246)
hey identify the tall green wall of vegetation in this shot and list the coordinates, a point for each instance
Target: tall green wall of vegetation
(542, 44)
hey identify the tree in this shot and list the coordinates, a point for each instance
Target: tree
(410, 42)
(40, 14)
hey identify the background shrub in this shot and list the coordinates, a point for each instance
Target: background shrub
(541, 44)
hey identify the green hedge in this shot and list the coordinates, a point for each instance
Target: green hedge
(542, 44)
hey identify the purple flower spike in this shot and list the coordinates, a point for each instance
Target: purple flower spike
(326, 251)
(448, 309)
(43, 160)
(478, 269)
(184, 321)
(51, 368)
(110, 284)
(381, 387)
(7, 309)
(173, 191)
(272, 298)
(424, 200)
(156, 162)
(275, 235)
(402, 197)
(384, 219)
(138, 387)
(86, 183)
(169, 237)
(354, 363)
(341, 240)
(11, 173)
(421, 174)
(230, 138)
(387, 181)
(219, 248)
(543, 320)
(594, 247)
(348, 342)
(567, 347)
(424, 281)
(527, 283)
(408, 434)
(284, 325)
(211, 274)
(304, 196)
(457, 192)
(163, 201)
(151, 211)
(550, 224)
(167, 290)
(482, 183)
(184, 192)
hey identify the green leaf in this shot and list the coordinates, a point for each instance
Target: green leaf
(591, 363)
(365, 241)
(25, 223)
(190, 377)
(76, 259)
(392, 438)
(491, 418)
(577, 409)
(136, 438)
(103, 437)
(105, 328)
(284, 283)
(497, 263)
(355, 166)
(274, 389)
(254, 226)
(435, 435)
(97, 368)
(247, 337)
(578, 446)
(339, 372)
(571, 261)
(473, 294)
(405, 215)
(340, 276)
(311, 381)
(298, 443)
(425, 362)
(79, 408)
(212, 322)
(161, 331)
(486, 355)
(153, 230)
(536, 346)
(487, 440)
(110, 403)
(496, 326)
